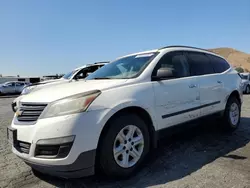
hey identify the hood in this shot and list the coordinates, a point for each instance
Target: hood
(49, 81)
(46, 84)
(59, 91)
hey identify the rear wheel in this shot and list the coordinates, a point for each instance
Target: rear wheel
(125, 146)
(231, 119)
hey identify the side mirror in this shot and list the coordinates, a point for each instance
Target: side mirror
(163, 74)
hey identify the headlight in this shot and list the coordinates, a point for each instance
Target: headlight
(27, 90)
(70, 105)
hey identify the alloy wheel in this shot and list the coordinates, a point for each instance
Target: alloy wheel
(128, 146)
(234, 114)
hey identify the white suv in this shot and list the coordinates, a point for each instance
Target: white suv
(114, 118)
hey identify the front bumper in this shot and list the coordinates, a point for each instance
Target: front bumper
(82, 166)
(80, 161)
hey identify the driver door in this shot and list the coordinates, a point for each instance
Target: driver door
(177, 99)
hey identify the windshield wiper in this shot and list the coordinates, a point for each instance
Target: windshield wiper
(101, 78)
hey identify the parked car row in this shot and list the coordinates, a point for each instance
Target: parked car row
(246, 82)
(13, 87)
(114, 117)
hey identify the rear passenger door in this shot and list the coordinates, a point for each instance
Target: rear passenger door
(210, 85)
(220, 65)
(176, 99)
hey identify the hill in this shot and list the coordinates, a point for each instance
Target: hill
(234, 57)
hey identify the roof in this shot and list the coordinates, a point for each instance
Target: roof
(176, 47)
(142, 52)
(191, 48)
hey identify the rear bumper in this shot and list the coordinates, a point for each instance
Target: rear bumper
(83, 166)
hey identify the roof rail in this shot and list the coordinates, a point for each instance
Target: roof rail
(183, 46)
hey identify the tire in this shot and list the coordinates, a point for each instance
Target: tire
(112, 165)
(247, 89)
(231, 120)
(37, 173)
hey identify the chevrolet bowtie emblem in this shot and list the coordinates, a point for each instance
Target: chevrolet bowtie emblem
(19, 112)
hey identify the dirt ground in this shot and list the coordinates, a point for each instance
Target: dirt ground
(204, 156)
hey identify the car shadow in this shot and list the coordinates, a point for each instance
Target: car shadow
(177, 156)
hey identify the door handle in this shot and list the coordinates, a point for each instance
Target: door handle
(219, 82)
(192, 86)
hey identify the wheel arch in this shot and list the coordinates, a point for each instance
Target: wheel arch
(236, 94)
(142, 113)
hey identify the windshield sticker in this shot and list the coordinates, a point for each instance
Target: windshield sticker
(144, 55)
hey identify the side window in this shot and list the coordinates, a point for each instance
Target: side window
(81, 74)
(175, 61)
(219, 64)
(19, 84)
(85, 71)
(12, 84)
(199, 64)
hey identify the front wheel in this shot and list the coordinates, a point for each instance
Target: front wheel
(231, 119)
(125, 146)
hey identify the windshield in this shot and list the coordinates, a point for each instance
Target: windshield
(69, 75)
(244, 77)
(124, 68)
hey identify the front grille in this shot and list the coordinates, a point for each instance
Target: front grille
(30, 111)
(23, 147)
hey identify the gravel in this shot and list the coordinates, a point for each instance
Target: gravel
(204, 156)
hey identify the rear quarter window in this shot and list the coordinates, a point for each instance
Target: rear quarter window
(220, 65)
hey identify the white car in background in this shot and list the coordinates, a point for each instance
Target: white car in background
(114, 117)
(77, 74)
(246, 82)
(13, 87)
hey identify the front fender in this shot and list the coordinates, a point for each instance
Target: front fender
(108, 113)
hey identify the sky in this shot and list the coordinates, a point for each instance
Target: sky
(55, 36)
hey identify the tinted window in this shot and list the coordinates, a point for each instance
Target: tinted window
(199, 64)
(85, 71)
(175, 61)
(19, 84)
(219, 64)
(10, 84)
